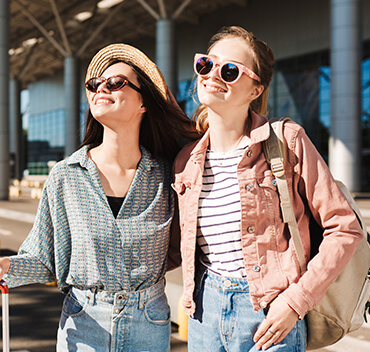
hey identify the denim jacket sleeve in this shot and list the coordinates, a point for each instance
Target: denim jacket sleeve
(313, 189)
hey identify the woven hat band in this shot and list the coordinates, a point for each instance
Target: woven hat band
(124, 52)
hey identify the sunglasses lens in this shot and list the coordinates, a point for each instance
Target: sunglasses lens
(204, 65)
(115, 83)
(229, 72)
(93, 84)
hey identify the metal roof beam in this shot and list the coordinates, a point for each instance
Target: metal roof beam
(162, 9)
(147, 7)
(93, 35)
(181, 8)
(60, 27)
(37, 24)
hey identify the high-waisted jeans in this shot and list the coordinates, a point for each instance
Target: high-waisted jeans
(101, 321)
(224, 320)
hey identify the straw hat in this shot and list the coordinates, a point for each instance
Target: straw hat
(124, 52)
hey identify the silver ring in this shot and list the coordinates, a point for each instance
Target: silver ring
(271, 332)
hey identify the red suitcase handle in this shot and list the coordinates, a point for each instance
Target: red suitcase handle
(5, 311)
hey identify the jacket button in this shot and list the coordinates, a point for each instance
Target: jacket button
(256, 268)
(249, 154)
(251, 229)
(117, 310)
(263, 304)
(249, 188)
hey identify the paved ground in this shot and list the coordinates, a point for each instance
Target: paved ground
(35, 309)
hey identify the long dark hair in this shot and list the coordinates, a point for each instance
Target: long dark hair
(163, 128)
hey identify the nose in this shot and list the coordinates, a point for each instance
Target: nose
(102, 87)
(215, 72)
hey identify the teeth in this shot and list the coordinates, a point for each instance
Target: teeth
(213, 89)
(103, 101)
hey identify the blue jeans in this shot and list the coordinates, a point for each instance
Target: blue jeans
(224, 320)
(99, 321)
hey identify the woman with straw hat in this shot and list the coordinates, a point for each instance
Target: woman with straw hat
(102, 229)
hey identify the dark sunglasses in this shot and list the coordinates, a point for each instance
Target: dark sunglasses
(112, 83)
(229, 72)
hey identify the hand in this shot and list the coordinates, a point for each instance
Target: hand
(279, 321)
(4, 266)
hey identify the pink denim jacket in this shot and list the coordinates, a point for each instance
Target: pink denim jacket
(270, 260)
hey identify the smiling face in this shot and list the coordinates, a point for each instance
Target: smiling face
(117, 108)
(218, 95)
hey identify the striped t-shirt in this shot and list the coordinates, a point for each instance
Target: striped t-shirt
(219, 214)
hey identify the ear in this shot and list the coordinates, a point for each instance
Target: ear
(257, 91)
(142, 109)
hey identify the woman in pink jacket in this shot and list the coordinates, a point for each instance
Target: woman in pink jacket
(242, 284)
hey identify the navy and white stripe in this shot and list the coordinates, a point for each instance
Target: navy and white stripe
(219, 216)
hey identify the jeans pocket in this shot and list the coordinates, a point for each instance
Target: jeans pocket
(71, 306)
(157, 310)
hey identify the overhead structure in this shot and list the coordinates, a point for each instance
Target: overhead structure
(44, 32)
(50, 35)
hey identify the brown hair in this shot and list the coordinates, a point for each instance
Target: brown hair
(263, 61)
(163, 127)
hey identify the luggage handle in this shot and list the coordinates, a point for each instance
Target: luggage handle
(5, 311)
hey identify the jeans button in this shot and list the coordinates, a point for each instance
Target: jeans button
(227, 283)
(117, 310)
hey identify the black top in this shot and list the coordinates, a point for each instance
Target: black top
(115, 204)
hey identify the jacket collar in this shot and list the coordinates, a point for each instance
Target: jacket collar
(260, 132)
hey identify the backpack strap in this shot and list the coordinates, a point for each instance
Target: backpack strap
(274, 150)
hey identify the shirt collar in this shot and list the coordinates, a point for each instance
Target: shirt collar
(80, 157)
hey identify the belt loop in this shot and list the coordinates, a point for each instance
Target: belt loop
(142, 300)
(91, 296)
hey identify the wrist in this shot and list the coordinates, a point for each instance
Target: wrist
(5, 265)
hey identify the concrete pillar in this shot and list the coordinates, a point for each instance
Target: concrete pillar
(4, 99)
(346, 56)
(17, 129)
(166, 52)
(72, 104)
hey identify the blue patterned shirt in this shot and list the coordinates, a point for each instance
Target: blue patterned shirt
(76, 240)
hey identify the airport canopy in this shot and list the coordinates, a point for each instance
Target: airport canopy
(44, 32)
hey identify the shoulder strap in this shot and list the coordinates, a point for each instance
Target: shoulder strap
(274, 151)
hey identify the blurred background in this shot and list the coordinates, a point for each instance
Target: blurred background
(322, 71)
(321, 80)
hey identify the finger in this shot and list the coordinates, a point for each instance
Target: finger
(267, 339)
(261, 331)
(281, 337)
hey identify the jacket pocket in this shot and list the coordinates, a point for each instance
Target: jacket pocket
(269, 196)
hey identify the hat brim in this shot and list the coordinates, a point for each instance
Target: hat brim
(101, 61)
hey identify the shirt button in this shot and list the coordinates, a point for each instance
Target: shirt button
(263, 304)
(249, 154)
(256, 268)
(249, 188)
(251, 229)
(227, 283)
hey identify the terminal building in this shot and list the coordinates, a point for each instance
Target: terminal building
(321, 80)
